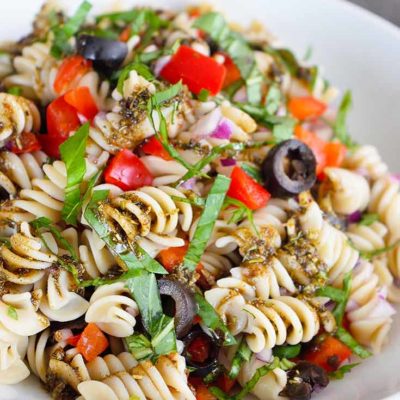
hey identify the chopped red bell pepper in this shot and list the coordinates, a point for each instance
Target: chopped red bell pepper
(126, 171)
(125, 34)
(71, 69)
(232, 71)
(327, 154)
(225, 383)
(197, 320)
(202, 392)
(153, 147)
(196, 70)
(171, 257)
(51, 144)
(62, 118)
(27, 142)
(82, 100)
(247, 190)
(73, 340)
(199, 348)
(92, 342)
(306, 107)
(329, 353)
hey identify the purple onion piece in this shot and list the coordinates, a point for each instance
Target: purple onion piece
(354, 217)
(264, 355)
(395, 177)
(228, 162)
(223, 130)
(189, 184)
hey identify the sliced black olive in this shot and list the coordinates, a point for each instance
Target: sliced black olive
(4, 195)
(201, 352)
(289, 168)
(107, 54)
(183, 307)
(303, 379)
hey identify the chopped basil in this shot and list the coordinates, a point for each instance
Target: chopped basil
(212, 208)
(73, 154)
(243, 353)
(288, 351)
(273, 100)
(132, 256)
(213, 321)
(5, 240)
(369, 219)
(282, 127)
(63, 33)
(249, 386)
(345, 337)
(340, 296)
(203, 95)
(368, 255)
(15, 90)
(142, 69)
(340, 372)
(139, 346)
(340, 127)
(253, 172)
(240, 212)
(194, 201)
(12, 312)
(44, 222)
(234, 44)
(308, 53)
(159, 326)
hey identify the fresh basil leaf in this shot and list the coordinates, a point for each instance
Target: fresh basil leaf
(132, 256)
(243, 353)
(253, 172)
(194, 201)
(160, 327)
(203, 95)
(73, 154)
(283, 130)
(44, 222)
(139, 346)
(340, 372)
(345, 337)
(369, 219)
(369, 255)
(273, 100)
(159, 98)
(308, 53)
(340, 125)
(288, 351)
(212, 208)
(250, 384)
(212, 320)
(12, 312)
(63, 33)
(331, 292)
(240, 213)
(236, 47)
(142, 69)
(15, 90)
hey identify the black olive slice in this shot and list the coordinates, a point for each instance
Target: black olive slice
(107, 55)
(303, 379)
(200, 352)
(4, 195)
(289, 169)
(184, 305)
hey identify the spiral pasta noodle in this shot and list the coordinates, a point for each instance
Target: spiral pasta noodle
(370, 315)
(366, 160)
(113, 310)
(36, 71)
(367, 237)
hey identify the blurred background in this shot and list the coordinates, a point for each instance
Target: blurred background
(389, 9)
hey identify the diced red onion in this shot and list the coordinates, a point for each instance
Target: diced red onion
(160, 64)
(82, 118)
(354, 217)
(264, 355)
(207, 124)
(228, 162)
(395, 177)
(352, 305)
(382, 310)
(189, 184)
(63, 334)
(382, 293)
(241, 95)
(223, 130)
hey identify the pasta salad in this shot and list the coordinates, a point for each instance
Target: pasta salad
(184, 214)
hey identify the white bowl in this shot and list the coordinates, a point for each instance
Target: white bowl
(358, 51)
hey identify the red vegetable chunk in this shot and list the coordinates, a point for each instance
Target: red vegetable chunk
(92, 342)
(126, 171)
(195, 70)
